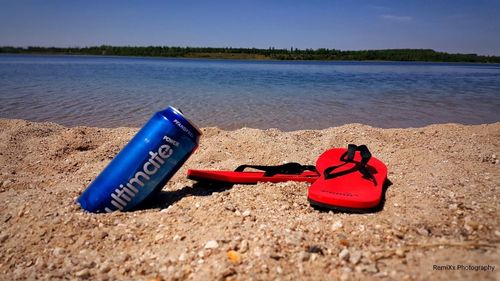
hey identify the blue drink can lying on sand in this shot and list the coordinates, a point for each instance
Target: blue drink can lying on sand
(144, 165)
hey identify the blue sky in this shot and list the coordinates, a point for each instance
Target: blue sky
(453, 26)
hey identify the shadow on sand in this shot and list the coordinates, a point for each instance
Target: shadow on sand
(165, 199)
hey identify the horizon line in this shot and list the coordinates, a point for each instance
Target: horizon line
(256, 48)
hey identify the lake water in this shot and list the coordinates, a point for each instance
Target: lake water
(126, 91)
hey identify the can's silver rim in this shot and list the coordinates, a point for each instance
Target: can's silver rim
(187, 119)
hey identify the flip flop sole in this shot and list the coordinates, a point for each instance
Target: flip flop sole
(248, 177)
(342, 209)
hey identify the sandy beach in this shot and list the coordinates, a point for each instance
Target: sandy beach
(441, 210)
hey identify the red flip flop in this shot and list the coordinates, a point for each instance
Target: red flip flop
(280, 173)
(351, 180)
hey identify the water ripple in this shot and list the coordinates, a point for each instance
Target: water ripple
(110, 92)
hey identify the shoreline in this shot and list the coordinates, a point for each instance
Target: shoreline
(441, 208)
(253, 128)
(248, 59)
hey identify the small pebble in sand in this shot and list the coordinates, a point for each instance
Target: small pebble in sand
(344, 254)
(234, 257)
(400, 253)
(211, 244)
(58, 251)
(201, 254)
(229, 207)
(3, 237)
(422, 231)
(183, 257)
(355, 257)
(84, 273)
(159, 236)
(470, 225)
(337, 225)
(243, 246)
(105, 268)
(371, 268)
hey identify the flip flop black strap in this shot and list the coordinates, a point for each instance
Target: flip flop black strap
(288, 169)
(348, 157)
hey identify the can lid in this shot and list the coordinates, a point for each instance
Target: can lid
(178, 112)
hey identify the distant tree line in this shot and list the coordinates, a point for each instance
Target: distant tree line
(253, 53)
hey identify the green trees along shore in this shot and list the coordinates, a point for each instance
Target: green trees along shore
(253, 53)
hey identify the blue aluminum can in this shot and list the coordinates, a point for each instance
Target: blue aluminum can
(144, 165)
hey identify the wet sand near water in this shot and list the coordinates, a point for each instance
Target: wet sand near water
(441, 209)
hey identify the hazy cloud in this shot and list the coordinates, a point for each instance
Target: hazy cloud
(396, 18)
(379, 8)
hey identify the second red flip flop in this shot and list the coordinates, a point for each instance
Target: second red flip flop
(279, 173)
